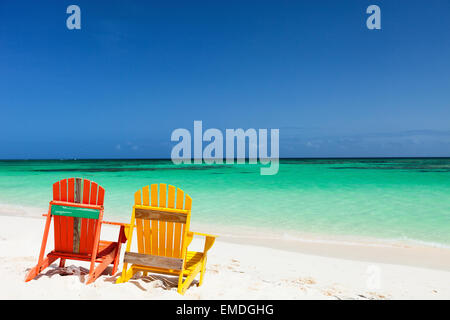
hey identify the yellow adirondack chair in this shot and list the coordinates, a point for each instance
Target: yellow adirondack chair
(163, 237)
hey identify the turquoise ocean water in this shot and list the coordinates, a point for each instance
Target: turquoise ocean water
(386, 199)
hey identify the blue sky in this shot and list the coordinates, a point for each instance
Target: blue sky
(137, 70)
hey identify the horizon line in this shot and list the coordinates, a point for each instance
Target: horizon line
(224, 159)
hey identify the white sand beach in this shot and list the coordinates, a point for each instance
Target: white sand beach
(236, 269)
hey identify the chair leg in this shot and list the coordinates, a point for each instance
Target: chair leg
(116, 260)
(107, 260)
(62, 263)
(126, 275)
(42, 263)
(185, 285)
(115, 267)
(202, 272)
(122, 239)
(38, 268)
(180, 283)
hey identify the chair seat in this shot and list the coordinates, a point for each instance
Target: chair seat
(193, 260)
(104, 249)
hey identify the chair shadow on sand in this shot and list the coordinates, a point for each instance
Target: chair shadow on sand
(71, 270)
(165, 282)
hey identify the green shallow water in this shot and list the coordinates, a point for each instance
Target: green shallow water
(391, 199)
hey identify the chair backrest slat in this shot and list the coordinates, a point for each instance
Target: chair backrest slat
(77, 222)
(86, 187)
(75, 226)
(170, 225)
(160, 226)
(63, 189)
(154, 223)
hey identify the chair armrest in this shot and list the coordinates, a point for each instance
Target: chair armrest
(124, 228)
(202, 234)
(116, 223)
(209, 239)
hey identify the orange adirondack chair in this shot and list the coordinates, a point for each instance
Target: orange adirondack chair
(77, 212)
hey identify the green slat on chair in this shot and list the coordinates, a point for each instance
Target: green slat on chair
(75, 212)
